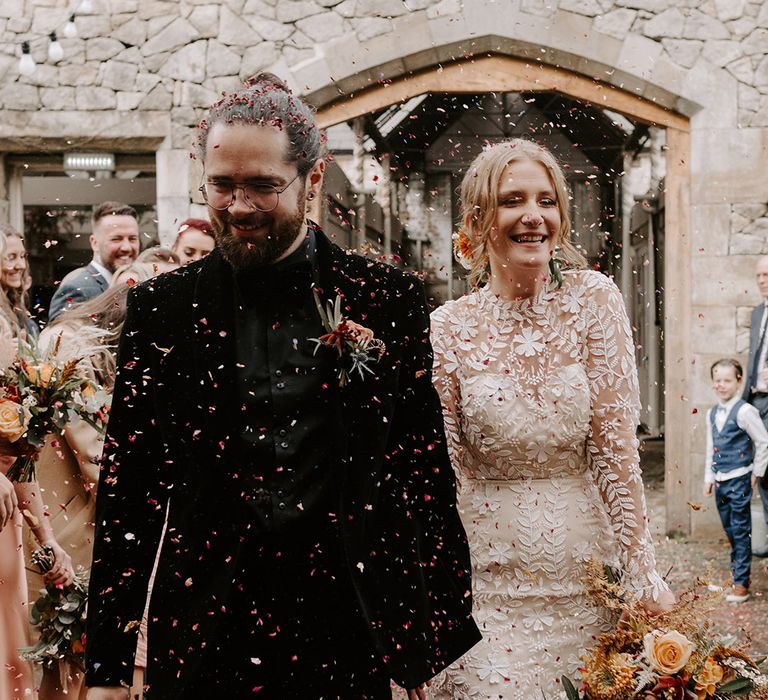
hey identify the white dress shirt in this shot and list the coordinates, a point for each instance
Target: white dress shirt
(107, 275)
(748, 419)
(760, 384)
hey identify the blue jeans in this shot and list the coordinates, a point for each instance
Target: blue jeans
(733, 504)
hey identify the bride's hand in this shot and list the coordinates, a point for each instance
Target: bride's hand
(665, 602)
(8, 501)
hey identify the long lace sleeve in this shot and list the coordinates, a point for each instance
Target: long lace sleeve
(447, 385)
(612, 445)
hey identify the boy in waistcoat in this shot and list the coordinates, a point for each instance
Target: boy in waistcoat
(737, 455)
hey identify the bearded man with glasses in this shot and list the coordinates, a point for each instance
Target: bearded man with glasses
(313, 548)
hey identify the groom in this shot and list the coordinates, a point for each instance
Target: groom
(313, 547)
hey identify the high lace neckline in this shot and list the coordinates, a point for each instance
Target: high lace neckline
(506, 306)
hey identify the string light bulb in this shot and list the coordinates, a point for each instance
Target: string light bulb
(26, 63)
(70, 28)
(55, 52)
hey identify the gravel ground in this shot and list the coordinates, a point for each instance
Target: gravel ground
(686, 560)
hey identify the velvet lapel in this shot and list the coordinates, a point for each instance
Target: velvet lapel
(336, 279)
(213, 312)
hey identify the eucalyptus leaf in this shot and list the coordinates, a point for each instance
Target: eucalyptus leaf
(738, 686)
(570, 691)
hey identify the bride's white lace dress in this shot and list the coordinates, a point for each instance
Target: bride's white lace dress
(540, 399)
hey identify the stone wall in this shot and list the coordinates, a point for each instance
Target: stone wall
(141, 72)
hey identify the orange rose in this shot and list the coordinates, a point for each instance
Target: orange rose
(708, 678)
(667, 652)
(14, 419)
(41, 375)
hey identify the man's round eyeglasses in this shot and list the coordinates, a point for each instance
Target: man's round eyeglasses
(262, 197)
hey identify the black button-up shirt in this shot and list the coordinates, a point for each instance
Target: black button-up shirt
(288, 395)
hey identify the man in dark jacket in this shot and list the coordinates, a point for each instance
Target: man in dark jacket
(756, 384)
(313, 547)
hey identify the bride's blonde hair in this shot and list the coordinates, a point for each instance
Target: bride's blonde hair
(480, 200)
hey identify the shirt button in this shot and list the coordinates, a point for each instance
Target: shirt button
(278, 373)
(284, 444)
(281, 505)
(280, 385)
(282, 432)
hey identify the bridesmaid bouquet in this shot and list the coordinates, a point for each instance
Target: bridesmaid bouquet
(669, 656)
(59, 616)
(39, 395)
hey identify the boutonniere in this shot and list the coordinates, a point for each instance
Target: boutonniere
(355, 345)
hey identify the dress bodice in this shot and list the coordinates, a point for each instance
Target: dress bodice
(547, 388)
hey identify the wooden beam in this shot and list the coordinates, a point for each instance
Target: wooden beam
(497, 73)
(678, 358)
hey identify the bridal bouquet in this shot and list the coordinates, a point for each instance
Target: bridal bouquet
(39, 395)
(670, 656)
(59, 616)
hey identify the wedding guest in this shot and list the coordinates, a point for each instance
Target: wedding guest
(13, 278)
(535, 369)
(756, 384)
(194, 240)
(67, 468)
(68, 474)
(737, 455)
(16, 676)
(114, 241)
(158, 254)
(313, 546)
(138, 272)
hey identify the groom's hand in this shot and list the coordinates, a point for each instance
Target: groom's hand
(418, 693)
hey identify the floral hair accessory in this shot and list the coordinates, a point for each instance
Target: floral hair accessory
(462, 248)
(354, 344)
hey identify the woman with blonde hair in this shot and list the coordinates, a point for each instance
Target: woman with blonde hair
(16, 676)
(68, 472)
(14, 272)
(535, 369)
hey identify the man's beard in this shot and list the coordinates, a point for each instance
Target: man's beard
(243, 253)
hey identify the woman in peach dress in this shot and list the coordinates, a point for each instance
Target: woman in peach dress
(16, 676)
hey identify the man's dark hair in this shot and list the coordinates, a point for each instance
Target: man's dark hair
(266, 100)
(727, 362)
(112, 209)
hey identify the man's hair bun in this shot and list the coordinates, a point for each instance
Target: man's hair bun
(266, 81)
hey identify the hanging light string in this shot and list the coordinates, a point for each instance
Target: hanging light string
(27, 64)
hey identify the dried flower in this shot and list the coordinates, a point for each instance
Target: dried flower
(353, 343)
(613, 680)
(710, 675)
(462, 248)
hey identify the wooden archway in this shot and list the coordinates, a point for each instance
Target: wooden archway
(498, 73)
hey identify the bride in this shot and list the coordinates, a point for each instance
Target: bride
(536, 374)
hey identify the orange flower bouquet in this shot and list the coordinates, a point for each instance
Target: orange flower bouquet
(669, 656)
(39, 395)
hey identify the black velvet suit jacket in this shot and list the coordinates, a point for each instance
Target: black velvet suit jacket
(754, 349)
(173, 437)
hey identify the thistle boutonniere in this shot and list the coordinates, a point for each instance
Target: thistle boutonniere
(355, 345)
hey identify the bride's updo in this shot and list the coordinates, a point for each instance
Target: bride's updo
(479, 203)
